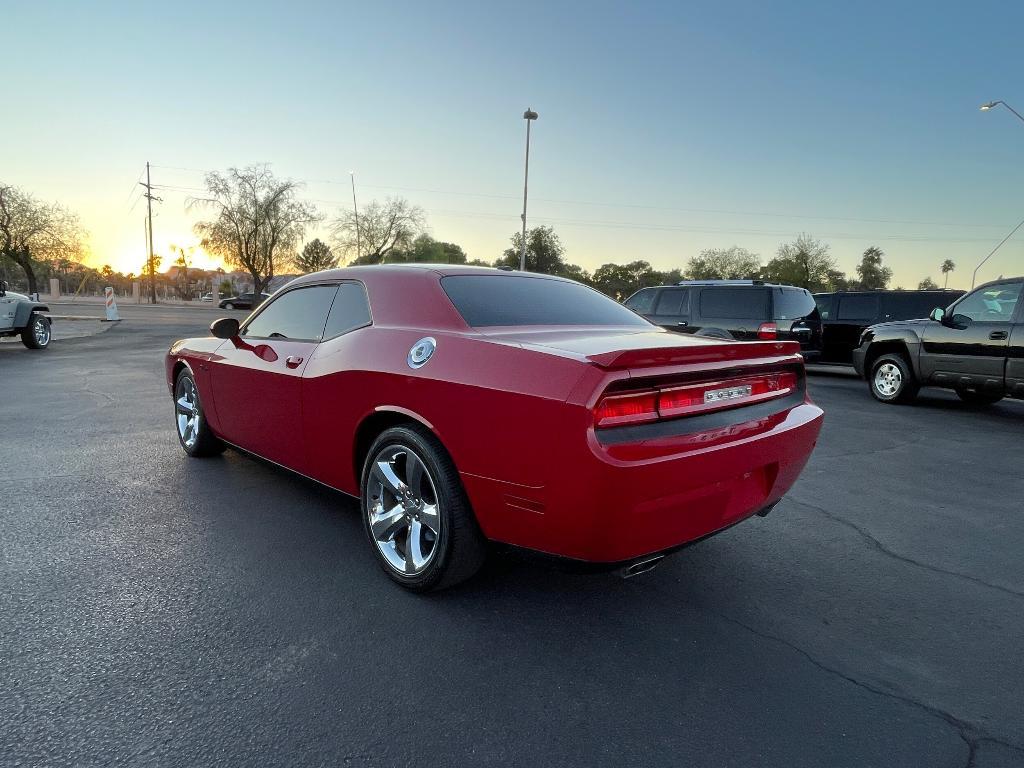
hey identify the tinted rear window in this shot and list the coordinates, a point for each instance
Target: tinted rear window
(674, 302)
(857, 308)
(792, 304)
(734, 303)
(486, 300)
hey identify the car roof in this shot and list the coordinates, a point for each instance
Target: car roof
(411, 295)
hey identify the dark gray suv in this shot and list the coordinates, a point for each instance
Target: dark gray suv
(745, 310)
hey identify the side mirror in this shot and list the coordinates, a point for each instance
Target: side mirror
(938, 314)
(225, 328)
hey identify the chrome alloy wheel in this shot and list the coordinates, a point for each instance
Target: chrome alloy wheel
(888, 380)
(186, 410)
(403, 510)
(41, 331)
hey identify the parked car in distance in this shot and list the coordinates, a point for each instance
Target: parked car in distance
(243, 301)
(21, 316)
(467, 404)
(975, 347)
(845, 315)
(745, 310)
(206, 297)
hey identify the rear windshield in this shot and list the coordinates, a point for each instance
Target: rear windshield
(793, 304)
(734, 303)
(486, 300)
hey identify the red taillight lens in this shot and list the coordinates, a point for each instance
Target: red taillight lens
(768, 331)
(626, 409)
(639, 407)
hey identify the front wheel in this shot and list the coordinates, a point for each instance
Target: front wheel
(415, 512)
(229, 305)
(892, 380)
(194, 433)
(978, 398)
(36, 335)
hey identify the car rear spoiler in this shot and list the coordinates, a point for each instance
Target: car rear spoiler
(764, 352)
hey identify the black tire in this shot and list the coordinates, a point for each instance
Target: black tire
(892, 380)
(229, 305)
(978, 398)
(205, 443)
(458, 549)
(36, 334)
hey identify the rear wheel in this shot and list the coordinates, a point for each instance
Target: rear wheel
(194, 433)
(416, 514)
(36, 335)
(892, 380)
(978, 398)
(229, 305)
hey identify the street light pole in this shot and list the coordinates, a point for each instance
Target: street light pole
(529, 116)
(994, 104)
(974, 277)
(355, 209)
(986, 108)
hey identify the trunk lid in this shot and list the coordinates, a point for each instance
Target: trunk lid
(618, 348)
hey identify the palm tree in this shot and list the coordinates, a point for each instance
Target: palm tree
(947, 266)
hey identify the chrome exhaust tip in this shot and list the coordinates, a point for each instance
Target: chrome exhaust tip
(641, 566)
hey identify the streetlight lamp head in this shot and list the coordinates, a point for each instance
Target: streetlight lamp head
(529, 115)
(987, 107)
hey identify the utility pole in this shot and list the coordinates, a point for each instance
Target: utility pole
(149, 234)
(529, 116)
(355, 209)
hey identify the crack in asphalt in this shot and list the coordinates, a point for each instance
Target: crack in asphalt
(903, 558)
(970, 734)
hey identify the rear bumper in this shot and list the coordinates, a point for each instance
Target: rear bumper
(620, 502)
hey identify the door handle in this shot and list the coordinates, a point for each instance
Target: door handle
(681, 322)
(293, 362)
(998, 335)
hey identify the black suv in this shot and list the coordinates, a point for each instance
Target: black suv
(745, 310)
(845, 315)
(975, 347)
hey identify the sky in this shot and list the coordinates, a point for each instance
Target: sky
(665, 127)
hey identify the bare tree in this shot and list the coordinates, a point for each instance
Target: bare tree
(32, 232)
(259, 220)
(315, 256)
(379, 229)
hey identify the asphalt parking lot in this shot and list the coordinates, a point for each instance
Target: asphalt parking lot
(157, 610)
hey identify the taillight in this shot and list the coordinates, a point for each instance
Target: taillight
(634, 408)
(767, 331)
(671, 402)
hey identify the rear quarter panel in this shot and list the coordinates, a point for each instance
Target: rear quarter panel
(496, 408)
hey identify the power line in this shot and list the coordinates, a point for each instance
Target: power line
(643, 206)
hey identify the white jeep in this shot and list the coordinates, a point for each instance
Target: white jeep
(19, 315)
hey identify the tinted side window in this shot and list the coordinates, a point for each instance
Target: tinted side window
(792, 304)
(349, 311)
(857, 308)
(734, 303)
(508, 299)
(297, 314)
(675, 301)
(911, 306)
(824, 304)
(642, 301)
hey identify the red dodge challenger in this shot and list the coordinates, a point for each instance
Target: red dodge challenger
(463, 405)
